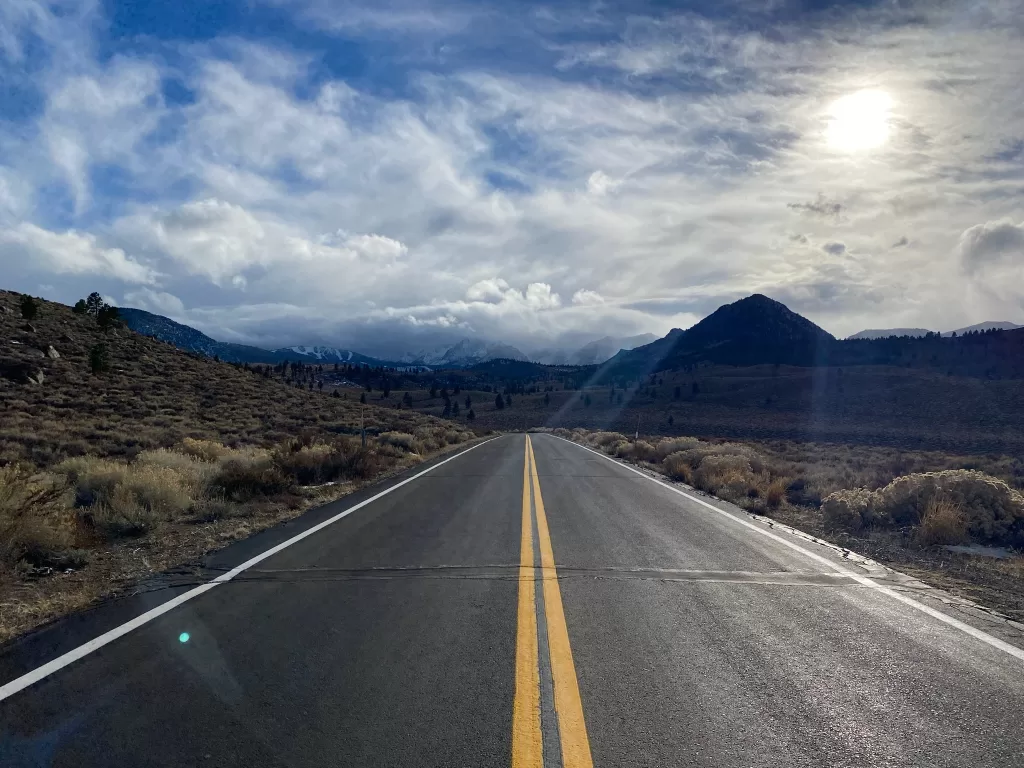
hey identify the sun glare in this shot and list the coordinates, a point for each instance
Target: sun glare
(859, 121)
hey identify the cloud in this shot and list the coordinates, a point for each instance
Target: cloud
(902, 242)
(836, 249)
(820, 207)
(471, 166)
(585, 298)
(992, 243)
(158, 302)
(70, 253)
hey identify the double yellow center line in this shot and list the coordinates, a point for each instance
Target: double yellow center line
(527, 726)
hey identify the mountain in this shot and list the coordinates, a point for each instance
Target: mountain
(991, 325)
(598, 351)
(189, 339)
(748, 332)
(326, 355)
(464, 354)
(884, 333)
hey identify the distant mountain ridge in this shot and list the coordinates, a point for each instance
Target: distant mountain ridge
(596, 352)
(464, 354)
(885, 333)
(189, 339)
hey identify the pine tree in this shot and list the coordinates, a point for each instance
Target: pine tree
(499, 402)
(362, 398)
(80, 307)
(471, 416)
(107, 316)
(547, 399)
(99, 360)
(29, 308)
(94, 304)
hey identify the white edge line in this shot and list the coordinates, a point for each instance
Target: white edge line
(37, 674)
(974, 632)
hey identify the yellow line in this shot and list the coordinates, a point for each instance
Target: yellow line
(526, 739)
(568, 705)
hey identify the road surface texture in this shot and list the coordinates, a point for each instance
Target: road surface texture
(525, 603)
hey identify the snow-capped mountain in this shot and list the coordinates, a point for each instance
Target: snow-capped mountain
(326, 355)
(464, 354)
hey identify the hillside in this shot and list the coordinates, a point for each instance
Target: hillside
(154, 395)
(114, 444)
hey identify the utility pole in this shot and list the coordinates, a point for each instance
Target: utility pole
(636, 437)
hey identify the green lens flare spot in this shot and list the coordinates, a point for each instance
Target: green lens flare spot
(183, 637)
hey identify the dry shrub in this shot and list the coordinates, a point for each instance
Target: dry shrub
(343, 459)
(729, 476)
(36, 523)
(93, 478)
(162, 490)
(846, 510)
(775, 493)
(454, 437)
(672, 445)
(943, 522)
(194, 474)
(122, 515)
(695, 456)
(244, 478)
(638, 451)
(994, 511)
(204, 450)
(603, 439)
(677, 466)
(403, 440)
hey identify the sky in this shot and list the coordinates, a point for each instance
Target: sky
(394, 176)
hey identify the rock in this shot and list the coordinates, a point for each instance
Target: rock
(4, 310)
(38, 378)
(52, 353)
(28, 327)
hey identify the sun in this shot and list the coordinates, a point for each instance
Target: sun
(859, 121)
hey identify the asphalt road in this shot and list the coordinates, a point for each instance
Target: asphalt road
(524, 607)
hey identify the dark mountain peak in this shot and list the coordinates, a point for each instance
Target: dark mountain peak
(750, 331)
(758, 319)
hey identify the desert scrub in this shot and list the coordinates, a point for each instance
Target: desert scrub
(36, 522)
(993, 512)
(401, 440)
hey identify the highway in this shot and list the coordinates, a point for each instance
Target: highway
(524, 603)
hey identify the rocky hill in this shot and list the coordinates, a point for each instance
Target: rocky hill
(145, 394)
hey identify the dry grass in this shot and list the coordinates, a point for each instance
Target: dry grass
(943, 522)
